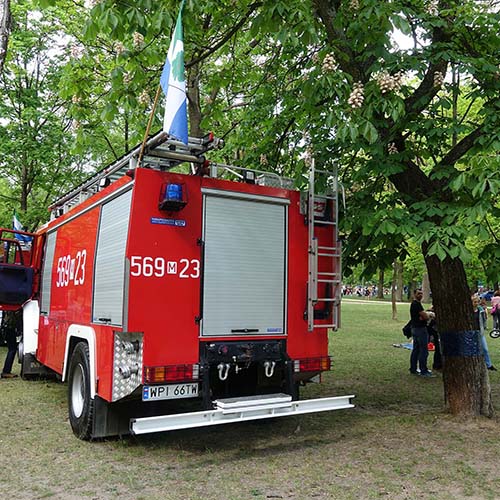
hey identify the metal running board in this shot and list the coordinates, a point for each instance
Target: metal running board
(271, 407)
(235, 404)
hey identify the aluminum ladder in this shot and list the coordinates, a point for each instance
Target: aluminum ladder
(329, 255)
(161, 152)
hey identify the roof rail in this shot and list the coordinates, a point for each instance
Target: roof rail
(160, 152)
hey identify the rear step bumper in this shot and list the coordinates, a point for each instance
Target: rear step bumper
(239, 410)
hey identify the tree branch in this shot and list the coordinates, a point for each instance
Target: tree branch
(281, 139)
(5, 197)
(426, 91)
(412, 183)
(492, 231)
(461, 147)
(108, 142)
(251, 9)
(327, 12)
(424, 94)
(5, 21)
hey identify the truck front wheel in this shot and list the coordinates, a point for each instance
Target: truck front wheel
(81, 405)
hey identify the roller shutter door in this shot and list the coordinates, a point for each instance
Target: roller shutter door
(109, 272)
(48, 263)
(244, 266)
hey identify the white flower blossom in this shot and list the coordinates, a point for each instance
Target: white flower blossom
(357, 96)
(138, 40)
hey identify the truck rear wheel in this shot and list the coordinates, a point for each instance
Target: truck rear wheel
(80, 405)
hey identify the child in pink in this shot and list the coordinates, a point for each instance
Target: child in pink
(495, 309)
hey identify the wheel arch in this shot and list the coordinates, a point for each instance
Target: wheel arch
(79, 333)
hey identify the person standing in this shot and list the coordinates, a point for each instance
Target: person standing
(12, 322)
(482, 303)
(420, 351)
(495, 309)
(480, 324)
(437, 362)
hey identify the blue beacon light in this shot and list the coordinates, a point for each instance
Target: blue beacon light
(174, 192)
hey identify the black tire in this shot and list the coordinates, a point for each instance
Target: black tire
(81, 406)
(494, 334)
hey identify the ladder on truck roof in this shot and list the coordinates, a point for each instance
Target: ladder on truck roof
(328, 255)
(160, 152)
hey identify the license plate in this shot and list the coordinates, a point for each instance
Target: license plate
(171, 391)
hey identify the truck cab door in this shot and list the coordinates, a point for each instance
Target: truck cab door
(17, 268)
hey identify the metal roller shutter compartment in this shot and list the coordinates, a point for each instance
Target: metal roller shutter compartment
(244, 267)
(47, 273)
(109, 272)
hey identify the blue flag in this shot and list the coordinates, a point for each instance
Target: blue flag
(174, 86)
(17, 226)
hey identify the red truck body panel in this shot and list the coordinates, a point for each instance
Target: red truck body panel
(163, 307)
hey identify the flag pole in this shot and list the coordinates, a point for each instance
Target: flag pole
(148, 128)
(173, 84)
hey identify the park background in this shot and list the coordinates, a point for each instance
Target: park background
(397, 442)
(413, 129)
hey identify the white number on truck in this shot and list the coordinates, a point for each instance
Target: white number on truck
(159, 267)
(71, 269)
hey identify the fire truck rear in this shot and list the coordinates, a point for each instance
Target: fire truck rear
(153, 292)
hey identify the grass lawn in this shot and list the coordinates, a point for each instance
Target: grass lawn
(396, 444)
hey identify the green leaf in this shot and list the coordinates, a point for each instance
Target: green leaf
(457, 183)
(353, 132)
(342, 131)
(131, 13)
(140, 19)
(369, 132)
(113, 20)
(90, 31)
(479, 189)
(454, 252)
(401, 24)
(109, 112)
(45, 3)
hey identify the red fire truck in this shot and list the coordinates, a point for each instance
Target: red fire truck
(150, 289)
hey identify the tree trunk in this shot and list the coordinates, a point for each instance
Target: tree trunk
(393, 292)
(398, 270)
(380, 291)
(193, 93)
(411, 289)
(465, 377)
(426, 289)
(4, 30)
(24, 188)
(126, 133)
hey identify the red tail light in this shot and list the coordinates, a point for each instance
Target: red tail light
(170, 373)
(313, 364)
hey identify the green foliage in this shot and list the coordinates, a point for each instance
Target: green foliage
(260, 73)
(35, 162)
